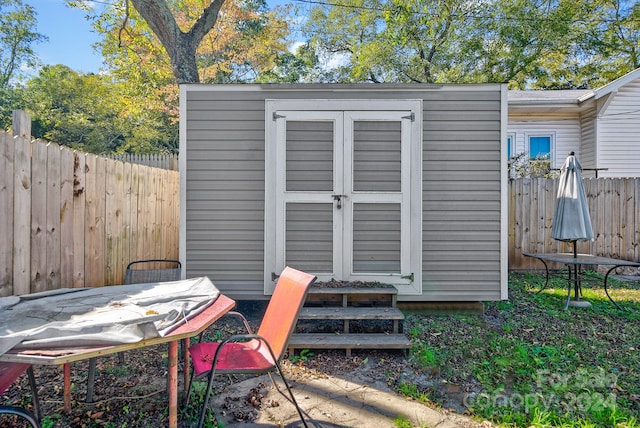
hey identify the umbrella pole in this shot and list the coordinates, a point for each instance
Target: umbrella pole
(576, 277)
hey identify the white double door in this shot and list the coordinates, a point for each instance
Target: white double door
(343, 193)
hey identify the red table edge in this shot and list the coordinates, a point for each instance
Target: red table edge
(197, 324)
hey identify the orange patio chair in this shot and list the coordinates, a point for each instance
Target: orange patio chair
(255, 353)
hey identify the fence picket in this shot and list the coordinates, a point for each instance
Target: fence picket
(99, 259)
(66, 217)
(79, 218)
(125, 253)
(39, 217)
(90, 231)
(134, 207)
(22, 190)
(52, 236)
(7, 150)
(627, 220)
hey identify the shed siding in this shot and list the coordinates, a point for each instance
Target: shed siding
(225, 190)
(461, 197)
(619, 146)
(224, 186)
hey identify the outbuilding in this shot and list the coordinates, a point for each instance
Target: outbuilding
(392, 183)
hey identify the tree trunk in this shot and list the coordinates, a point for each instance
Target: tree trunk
(183, 60)
(180, 46)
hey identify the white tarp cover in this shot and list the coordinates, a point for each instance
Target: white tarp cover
(102, 316)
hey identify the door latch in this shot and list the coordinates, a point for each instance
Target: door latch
(409, 277)
(338, 199)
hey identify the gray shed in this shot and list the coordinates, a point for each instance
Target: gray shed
(400, 184)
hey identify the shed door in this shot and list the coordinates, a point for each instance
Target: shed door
(343, 194)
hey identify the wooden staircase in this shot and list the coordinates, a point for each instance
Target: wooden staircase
(350, 318)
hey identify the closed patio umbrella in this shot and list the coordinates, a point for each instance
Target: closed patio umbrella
(571, 221)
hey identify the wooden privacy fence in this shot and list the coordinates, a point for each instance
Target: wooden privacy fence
(71, 219)
(613, 207)
(163, 161)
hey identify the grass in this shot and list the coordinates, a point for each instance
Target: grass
(529, 362)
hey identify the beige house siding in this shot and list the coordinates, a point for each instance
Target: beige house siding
(222, 161)
(565, 133)
(600, 125)
(588, 157)
(618, 133)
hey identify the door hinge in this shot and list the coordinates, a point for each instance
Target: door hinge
(277, 116)
(409, 277)
(412, 116)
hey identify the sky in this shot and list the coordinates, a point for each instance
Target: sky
(70, 36)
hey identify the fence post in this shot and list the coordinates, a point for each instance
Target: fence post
(21, 124)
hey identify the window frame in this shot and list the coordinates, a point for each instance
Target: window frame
(552, 144)
(511, 145)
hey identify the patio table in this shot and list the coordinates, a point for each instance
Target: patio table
(577, 262)
(64, 356)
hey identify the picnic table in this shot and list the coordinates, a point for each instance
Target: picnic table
(54, 354)
(577, 261)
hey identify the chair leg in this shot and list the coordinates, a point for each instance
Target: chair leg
(206, 397)
(188, 392)
(293, 399)
(34, 392)
(284, 379)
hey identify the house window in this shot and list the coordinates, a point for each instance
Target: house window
(511, 145)
(540, 146)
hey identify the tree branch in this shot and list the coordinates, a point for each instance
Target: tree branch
(206, 21)
(161, 21)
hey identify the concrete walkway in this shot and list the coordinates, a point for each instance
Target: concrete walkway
(328, 401)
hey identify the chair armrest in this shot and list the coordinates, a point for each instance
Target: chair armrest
(242, 317)
(233, 314)
(243, 338)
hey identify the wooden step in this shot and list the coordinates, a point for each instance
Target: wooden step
(348, 341)
(368, 308)
(353, 290)
(352, 296)
(350, 313)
